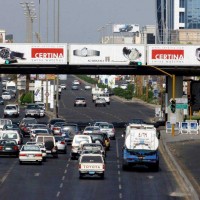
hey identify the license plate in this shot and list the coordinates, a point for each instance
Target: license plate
(140, 158)
(48, 151)
(91, 173)
(31, 155)
(8, 148)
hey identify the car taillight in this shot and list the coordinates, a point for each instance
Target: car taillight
(22, 154)
(56, 128)
(62, 142)
(38, 154)
(1, 147)
(79, 166)
(103, 166)
(15, 148)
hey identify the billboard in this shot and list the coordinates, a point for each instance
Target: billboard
(114, 54)
(42, 54)
(173, 55)
(123, 28)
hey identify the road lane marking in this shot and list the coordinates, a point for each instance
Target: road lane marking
(63, 178)
(120, 195)
(117, 148)
(67, 165)
(61, 185)
(65, 171)
(8, 172)
(36, 174)
(119, 179)
(58, 194)
(118, 172)
(120, 186)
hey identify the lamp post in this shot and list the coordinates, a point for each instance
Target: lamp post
(172, 76)
(29, 12)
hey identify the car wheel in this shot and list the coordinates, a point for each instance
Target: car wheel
(55, 155)
(20, 162)
(80, 176)
(95, 105)
(74, 105)
(85, 105)
(40, 163)
(5, 116)
(102, 176)
(104, 105)
(65, 151)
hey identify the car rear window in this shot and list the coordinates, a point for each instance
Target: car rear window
(91, 159)
(9, 136)
(31, 148)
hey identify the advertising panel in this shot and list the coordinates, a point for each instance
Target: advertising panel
(2, 36)
(42, 54)
(131, 28)
(97, 54)
(173, 55)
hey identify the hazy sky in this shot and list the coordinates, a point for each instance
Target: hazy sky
(79, 19)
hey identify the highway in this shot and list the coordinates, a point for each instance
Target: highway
(59, 178)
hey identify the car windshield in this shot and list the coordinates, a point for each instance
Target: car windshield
(80, 139)
(106, 126)
(5, 121)
(40, 131)
(9, 136)
(8, 142)
(33, 106)
(97, 137)
(56, 120)
(10, 108)
(30, 121)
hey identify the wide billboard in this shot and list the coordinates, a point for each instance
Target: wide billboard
(97, 54)
(42, 54)
(173, 55)
(131, 28)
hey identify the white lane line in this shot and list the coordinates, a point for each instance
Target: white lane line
(58, 194)
(65, 171)
(119, 172)
(61, 185)
(7, 173)
(63, 178)
(67, 165)
(120, 186)
(119, 179)
(36, 174)
(120, 195)
(69, 159)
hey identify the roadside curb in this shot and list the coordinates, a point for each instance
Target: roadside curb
(190, 188)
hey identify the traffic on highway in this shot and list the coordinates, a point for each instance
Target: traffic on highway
(96, 148)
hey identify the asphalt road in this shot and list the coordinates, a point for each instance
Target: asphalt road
(59, 178)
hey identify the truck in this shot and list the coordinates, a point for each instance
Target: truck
(11, 85)
(140, 147)
(91, 165)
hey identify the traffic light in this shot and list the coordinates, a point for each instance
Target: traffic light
(173, 106)
(135, 63)
(193, 100)
(10, 61)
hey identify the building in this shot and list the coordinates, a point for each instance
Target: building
(175, 15)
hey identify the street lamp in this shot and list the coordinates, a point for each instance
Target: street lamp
(29, 12)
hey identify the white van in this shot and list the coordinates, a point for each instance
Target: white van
(78, 140)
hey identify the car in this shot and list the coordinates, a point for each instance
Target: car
(30, 153)
(53, 121)
(99, 123)
(74, 87)
(91, 129)
(56, 128)
(42, 108)
(11, 110)
(63, 86)
(6, 95)
(76, 82)
(92, 148)
(80, 101)
(79, 140)
(61, 144)
(88, 87)
(11, 135)
(4, 121)
(100, 102)
(109, 129)
(25, 125)
(38, 131)
(9, 147)
(42, 148)
(32, 110)
(12, 93)
(49, 143)
(1, 101)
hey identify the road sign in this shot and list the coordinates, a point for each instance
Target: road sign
(181, 106)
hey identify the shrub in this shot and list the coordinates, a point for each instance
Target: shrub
(26, 98)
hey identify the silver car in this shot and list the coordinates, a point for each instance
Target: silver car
(61, 144)
(100, 101)
(32, 110)
(11, 110)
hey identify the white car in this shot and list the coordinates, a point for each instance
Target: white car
(124, 86)
(88, 87)
(63, 86)
(30, 153)
(42, 148)
(35, 132)
(5, 122)
(100, 101)
(91, 129)
(108, 128)
(11, 110)
(6, 96)
(61, 144)
(76, 82)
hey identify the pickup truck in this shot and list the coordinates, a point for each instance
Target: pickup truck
(91, 165)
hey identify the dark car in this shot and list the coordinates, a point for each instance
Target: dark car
(74, 87)
(25, 125)
(53, 121)
(9, 147)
